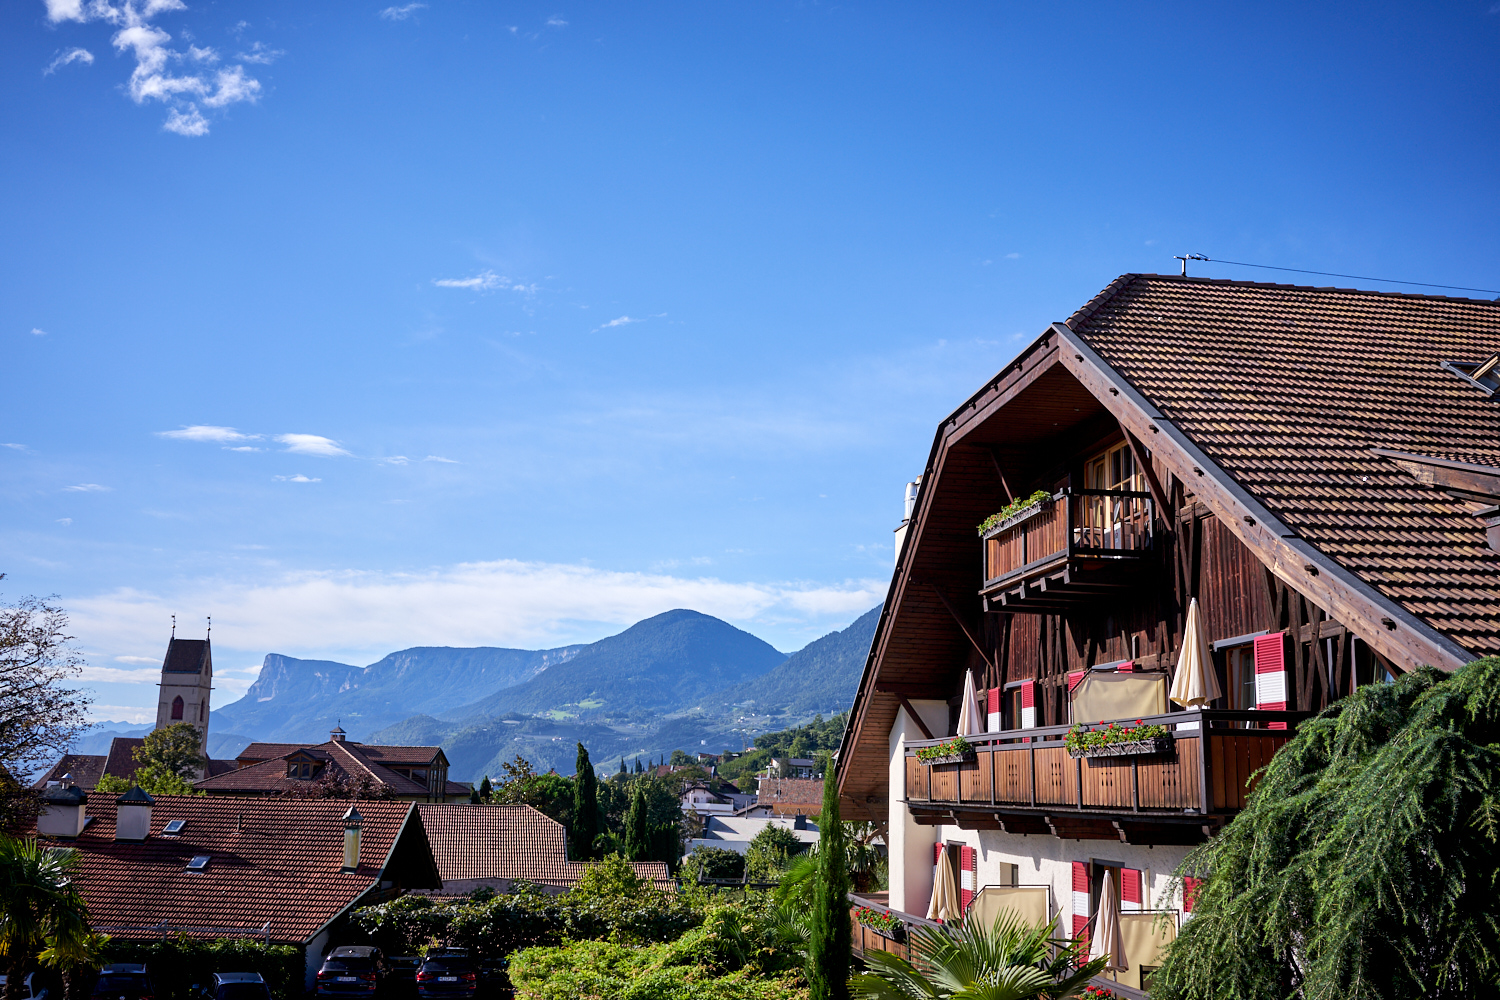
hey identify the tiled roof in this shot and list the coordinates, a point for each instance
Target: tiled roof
(1288, 389)
(121, 760)
(271, 860)
(405, 756)
(270, 775)
(84, 768)
(509, 842)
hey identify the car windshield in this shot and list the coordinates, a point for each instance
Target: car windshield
(244, 991)
(111, 981)
(447, 966)
(348, 965)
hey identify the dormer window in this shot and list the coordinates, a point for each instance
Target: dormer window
(1484, 374)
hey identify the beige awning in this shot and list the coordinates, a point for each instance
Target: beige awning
(1195, 684)
(946, 904)
(1106, 941)
(970, 718)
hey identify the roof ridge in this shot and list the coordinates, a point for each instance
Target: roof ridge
(1109, 291)
(1243, 283)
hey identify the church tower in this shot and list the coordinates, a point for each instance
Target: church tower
(186, 679)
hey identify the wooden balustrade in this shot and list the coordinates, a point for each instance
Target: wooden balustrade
(1072, 525)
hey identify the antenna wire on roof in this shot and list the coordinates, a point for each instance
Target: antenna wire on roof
(1331, 274)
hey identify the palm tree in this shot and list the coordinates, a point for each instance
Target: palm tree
(77, 957)
(1010, 960)
(39, 907)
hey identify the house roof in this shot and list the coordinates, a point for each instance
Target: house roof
(121, 759)
(186, 656)
(1290, 390)
(402, 756)
(509, 842)
(85, 769)
(269, 776)
(272, 861)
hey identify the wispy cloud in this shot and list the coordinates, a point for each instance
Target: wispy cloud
(403, 12)
(87, 488)
(556, 22)
(311, 444)
(502, 603)
(22, 447)
(617, 321)
(394, 460)
(244, 447)
(65, 521)
(37, 331)
(1012, 256)
(260, 54)
(298, 478)
(440, 458)
(208, 432)
(154, 78)
(65, 58)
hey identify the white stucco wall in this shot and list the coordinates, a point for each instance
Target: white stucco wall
(909, 845)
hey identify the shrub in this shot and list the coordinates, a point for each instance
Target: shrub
(713, 862)
(179, 963)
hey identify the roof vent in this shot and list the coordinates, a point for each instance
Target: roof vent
(199, 862)
(353, 823)
(62, 812)
(133, 814)
(1484, 374)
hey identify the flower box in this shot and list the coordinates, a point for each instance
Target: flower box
(967, 757)
(882, 922)
(1133, 748)
(1014, 514)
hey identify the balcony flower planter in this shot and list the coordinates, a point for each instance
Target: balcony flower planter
(1131, 748)
(955, 751)
(1014, 514)
(887, 925)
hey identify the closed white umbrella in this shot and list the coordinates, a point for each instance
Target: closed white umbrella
(1107, 941)
(946, 904)
(970, 718)
(1195, 684)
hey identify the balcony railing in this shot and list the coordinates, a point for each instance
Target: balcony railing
(1074, 525)
(1206, 773)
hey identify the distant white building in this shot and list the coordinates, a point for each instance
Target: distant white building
(734, 833)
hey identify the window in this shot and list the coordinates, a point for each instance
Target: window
(1113, 470)
(177, 709)
(1485, 374)
(1010, 707)
(199, 862)
(1239, 671)
(173, 828)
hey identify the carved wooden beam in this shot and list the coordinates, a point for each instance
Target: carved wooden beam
(1143, 462)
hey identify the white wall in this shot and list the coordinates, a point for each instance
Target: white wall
(315, 949)
(910, 845)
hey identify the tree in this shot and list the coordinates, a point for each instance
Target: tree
(167, 761)
(585, 807)
(638, 768)
(622, 766)
(1007, 961)
(40, 907)
(637, 826)
(550, 793)
(1363, 864)
(828, 948)
(680, 759)
(39, 715)
(335, 783)
(768, 852)
(486, 789)
(713, 862)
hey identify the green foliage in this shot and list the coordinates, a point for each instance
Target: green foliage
(40, 906)
(637, 826)
(1364, 863)
(172, 750)
(1082, 737)
(769, 852)
(549, 793)
(585, 808)
(1010, 960)
(155, 780)
(712, 862)
(818, 736)
(1012, 509)
(956, 747)
(180, 963)
(829, 944)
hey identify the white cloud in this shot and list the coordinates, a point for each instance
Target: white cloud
(37, 331)
(618, 321)
(395, 460)
(403, 12)
(503, 603)
(298, 478)
(556, 22)
(139, 660)
(86, 488)
(153, 77)
(260, 53)
(22, 447)
(71, 56)
(116, 675)
(482, 282)
(1012, 256)
(244, 447)
(122, 713)
(440, 458)
(311, 444)
(65, 521)
(207, 432)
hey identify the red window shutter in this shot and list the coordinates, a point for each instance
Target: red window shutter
(1270, 675)
(1190, 892)
(1080, 900)
(968, 876)
(993, 722)
(1130, 889)
(1028, 705)
(1128, 667)
(1075, 678)
(937, 855)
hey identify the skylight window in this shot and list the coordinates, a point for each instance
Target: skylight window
(199, 862)
(1484, 374)
(173, 828)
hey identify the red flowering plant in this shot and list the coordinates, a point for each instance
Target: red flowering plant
(880, 920)
(956, 747)
(1083, 737)
(1097, 993)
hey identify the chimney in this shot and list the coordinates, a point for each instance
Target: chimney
(800, 823)
(337, 734)
(353, 821)
(62, 812)
(909, 508)
(133, 814)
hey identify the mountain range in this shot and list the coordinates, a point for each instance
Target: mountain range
(679, 680)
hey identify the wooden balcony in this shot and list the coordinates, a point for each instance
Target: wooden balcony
(1069, 550)
(1024, 781)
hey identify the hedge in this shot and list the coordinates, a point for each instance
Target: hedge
(176, 964)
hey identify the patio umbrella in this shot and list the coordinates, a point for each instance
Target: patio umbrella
(945, 904)
(1195, 683)
(970, 718)
(1107, 941)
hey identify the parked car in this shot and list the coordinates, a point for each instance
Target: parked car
(402, 978)
(352, 970)
(124, 981)
(33, 989)
(447, 974)
(234, 986)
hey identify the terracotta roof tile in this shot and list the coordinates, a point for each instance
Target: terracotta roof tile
(1289, 388)
(84, 768)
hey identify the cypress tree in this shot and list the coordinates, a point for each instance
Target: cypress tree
(637, 833)
(638, 768)
(828, 948)
(585, 807)
(622, 765)
(486, 789)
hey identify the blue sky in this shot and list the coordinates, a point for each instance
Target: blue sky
(362, 327)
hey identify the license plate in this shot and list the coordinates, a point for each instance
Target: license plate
(348, 979)
(447, 979)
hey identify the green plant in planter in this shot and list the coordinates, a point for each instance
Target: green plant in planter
(1082, 737)
(880, 920)
(1012, 509)
(956, 747)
